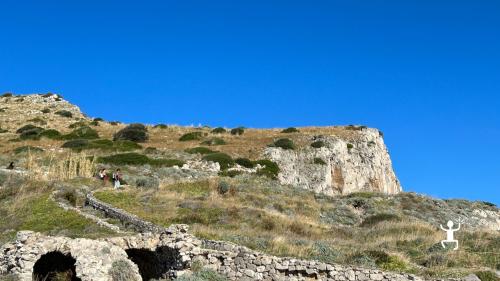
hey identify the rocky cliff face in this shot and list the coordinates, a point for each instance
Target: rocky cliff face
(340, 166)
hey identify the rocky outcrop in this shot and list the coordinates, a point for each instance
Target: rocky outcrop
(339, 165)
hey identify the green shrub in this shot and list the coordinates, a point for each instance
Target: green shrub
(94, 123)
(214, 141)
(132, 158)
(27, 128)
(7, 95)
(191, 136)
(50, 134)
(231, 173)
(319, 161)
(199, 150)
(223, 187)
(3, 130)
(284, 143)
(33, 134)
(103, 144)
(133, 132)
(114, 123)
(45, 110)
(64, 113)
(290, 130)
(349, 146)
(77, 124)
(83, 132)
(225, 161)
(270, 169)
(76, 144)
(27, 148)
(487, 276)
(98, 119)
(238, 131)
(147, 182)
(219, 130)
(160, 126)
(244, 162)
(375, 219)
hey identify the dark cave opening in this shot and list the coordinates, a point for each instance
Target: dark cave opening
(55, 266)
(155, 264)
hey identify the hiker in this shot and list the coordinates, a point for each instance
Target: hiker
(117, 176)
(103, 176)
(11, 166)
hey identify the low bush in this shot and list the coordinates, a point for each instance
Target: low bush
(33, 134)
(290, 130)
(199, 150)
(214, 141)
(219, 130)
(160, 126)
(50, 134)
(103, 144)
(270, 169)
(375, 219)
(238, 131)
(27, 128)
(3, 130)
(76, 144)
(319, 161)
(45, 110)
(114, 123)
(355, 128)
(64, 113)
(231, 173)
(191, 136)
(98, 119)
(133, 132)
(349, 146)
(147, 182)
(284, 143)
(27, 148)
(132, 158)
(245, 162)
(7, 95)
(225, 161)
(77, 124)
(83, 132)
(121, 271)
(202, 275)
(223, 187)
(94, 123)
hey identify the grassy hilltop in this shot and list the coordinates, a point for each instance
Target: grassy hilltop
(57, 151)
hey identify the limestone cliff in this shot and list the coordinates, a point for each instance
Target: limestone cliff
(339, 165)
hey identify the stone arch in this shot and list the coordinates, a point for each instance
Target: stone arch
(55, 266)
(155, 264)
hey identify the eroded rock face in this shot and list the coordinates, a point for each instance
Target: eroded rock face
(358, 164)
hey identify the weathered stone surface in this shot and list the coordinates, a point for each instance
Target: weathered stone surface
(366, 166)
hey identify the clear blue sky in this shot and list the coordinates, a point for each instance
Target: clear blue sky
(427, 73)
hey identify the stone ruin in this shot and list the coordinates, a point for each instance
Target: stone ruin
(161, 253)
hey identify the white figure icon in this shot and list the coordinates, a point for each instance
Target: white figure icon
(449, 234)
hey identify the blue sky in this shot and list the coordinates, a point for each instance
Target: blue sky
(427, 73)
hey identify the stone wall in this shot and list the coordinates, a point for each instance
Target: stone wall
(127, 219)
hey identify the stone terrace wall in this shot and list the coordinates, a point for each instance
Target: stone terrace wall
(126, 218)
